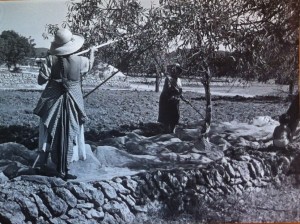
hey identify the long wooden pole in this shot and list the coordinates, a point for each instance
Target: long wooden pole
(111, 42)
(98, 46)
(86, 95)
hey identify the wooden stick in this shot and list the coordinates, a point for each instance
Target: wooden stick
(98, 46)
(36, 160)
(108, 43)
(86, 95)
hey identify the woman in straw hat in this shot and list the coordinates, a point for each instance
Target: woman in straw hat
(60, 107)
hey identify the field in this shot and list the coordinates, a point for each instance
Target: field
(113, 111)
(126, 110)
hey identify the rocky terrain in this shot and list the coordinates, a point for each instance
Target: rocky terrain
(135, 171)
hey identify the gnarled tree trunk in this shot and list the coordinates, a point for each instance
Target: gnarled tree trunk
(157, 81)
(208, 106)
(203, 142)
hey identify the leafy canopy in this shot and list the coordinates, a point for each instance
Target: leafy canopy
(123, 20)
(269, 35)
(14, 48)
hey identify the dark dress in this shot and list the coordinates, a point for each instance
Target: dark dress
(169, 102)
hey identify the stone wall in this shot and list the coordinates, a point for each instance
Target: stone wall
(40, 199)
(29, 79)
(9, 79)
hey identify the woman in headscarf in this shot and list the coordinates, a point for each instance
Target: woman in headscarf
(169, 99)
(60, 107)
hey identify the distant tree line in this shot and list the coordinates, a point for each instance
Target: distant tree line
(14, 49)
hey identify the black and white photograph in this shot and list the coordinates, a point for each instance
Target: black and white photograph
(149, 111)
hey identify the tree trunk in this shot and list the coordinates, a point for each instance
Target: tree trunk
(203, 142)
(15, 66)
(291, 87)
(208, 107)
(8, 67)
(157, 81)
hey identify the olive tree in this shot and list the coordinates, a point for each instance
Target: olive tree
(197, 30)
(14, 48)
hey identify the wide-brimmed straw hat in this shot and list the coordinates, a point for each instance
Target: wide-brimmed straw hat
(65, 42)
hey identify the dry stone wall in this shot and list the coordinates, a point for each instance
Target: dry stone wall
(41, 199)
(9, 79)
(29, 79)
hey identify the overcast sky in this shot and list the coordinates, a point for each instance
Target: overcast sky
(29, 17)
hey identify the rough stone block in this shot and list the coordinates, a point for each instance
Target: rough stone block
(108, 190)
(74, 213)
(121, 209)
(43, 210)
(55, 204)
(119, 187)
(76, 191)
(11, 213)
(67, 196)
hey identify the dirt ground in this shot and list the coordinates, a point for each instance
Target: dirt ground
(113, 111)
(110, 109)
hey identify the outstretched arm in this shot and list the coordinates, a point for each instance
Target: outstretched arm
(88, 63)
(92, 57)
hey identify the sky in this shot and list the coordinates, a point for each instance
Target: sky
(29, 17)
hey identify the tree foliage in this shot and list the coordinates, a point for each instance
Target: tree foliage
(125, 20)
(14, 48)
(269, 39)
